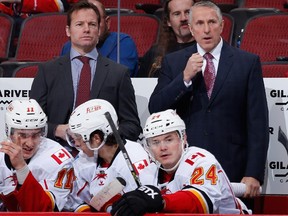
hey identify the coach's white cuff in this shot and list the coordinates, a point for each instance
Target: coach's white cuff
(188, 84)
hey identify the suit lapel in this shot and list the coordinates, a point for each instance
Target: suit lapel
(224, 66)
(189, 51)
(100, 76)
(64, 67)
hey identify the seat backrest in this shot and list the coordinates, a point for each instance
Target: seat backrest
(267, 36)
(129, 4)
(143, 28)
(222, 1)
(41, 37)
(225, 5)
(6, 28)
(225, 1)
(26, 71)
(275, 69)
(228, 29)
(241, 15)
(279, 4)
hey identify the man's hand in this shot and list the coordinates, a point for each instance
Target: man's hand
(146, 198)
(60, 131)
(193, 66)
(252, 187)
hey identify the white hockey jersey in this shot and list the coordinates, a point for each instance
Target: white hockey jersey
(201, 174)
(51, 166)
(91, 178)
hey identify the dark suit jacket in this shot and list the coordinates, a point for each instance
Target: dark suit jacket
(53, 89)
(233, 124)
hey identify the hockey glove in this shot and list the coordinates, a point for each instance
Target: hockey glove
(146, 198)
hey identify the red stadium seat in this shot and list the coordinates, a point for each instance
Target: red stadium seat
(225, 5)
(227, 32)
(266, 35)
(130, 4)
(275, 69)
(42, 37)
(241, 15)
(143, 28)
(6, 27)
(279, 4)
(26, 71)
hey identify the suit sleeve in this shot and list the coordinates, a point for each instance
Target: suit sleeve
(257, 123)
(39, 92)
(169, 89)
(129, 122)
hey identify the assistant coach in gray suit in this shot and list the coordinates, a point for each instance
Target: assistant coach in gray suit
(233, 123)
(56, 83)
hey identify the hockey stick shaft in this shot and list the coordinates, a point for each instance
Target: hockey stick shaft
(122, 148)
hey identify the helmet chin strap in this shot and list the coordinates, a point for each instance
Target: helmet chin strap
(95, 152)
(100, 146)
(184, 148)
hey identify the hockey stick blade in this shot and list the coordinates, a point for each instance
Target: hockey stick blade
(107, 193)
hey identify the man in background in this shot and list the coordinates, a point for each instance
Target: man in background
(57, 83)
(107, 45)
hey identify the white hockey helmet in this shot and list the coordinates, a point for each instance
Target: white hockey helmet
(90, 116)
(25, 114)
(162, 123)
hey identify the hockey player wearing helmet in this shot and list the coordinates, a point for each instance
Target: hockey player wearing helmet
(100, 161)
(186, 180)
(35, 172)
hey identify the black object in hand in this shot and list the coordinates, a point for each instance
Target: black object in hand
(146, 198)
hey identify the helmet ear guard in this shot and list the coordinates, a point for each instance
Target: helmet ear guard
(25, 114)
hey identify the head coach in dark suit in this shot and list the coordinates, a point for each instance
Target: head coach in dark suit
(55, 86)
(230, 120)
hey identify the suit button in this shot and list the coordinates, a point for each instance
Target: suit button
(209, 110)
(206, 133)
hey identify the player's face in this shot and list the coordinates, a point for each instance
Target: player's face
(178, 19)
(29, 140)
(76, 141)
(166, 149)
(80, 144)
(206, 27)
(84, 30)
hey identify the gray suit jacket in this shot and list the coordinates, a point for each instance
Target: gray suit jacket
(53, 89)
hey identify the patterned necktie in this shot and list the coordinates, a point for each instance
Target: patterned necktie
(209, 74)
(83, 91)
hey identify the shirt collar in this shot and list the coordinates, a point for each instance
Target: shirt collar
(93, 54)
(215, 52)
